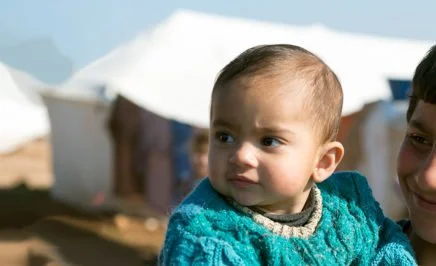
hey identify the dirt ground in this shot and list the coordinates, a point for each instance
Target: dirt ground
(30, 164)
(37, 230)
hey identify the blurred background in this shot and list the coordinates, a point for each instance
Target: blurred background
(104, 109)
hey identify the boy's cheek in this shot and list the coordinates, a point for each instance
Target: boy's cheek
(407, 162)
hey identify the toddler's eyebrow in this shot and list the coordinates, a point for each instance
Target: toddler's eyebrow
(222, 123)
(276, 130)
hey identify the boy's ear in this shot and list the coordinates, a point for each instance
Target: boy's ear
(331, 155)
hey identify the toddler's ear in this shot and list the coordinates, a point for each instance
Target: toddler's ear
(331, 155)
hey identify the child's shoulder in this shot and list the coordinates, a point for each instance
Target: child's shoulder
(202, 229)
(202, 206)
(351, 193)
(201, 198)
(348, 184)
(350, 187)
(346, 177)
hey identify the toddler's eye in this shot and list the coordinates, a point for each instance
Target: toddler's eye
(270, 142)
(224, 137)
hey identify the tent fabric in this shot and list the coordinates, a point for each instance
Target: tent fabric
(29, 85)
(82, 152)
(170, 70)
(23, 117)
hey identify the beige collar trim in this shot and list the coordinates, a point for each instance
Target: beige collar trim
(286, 231)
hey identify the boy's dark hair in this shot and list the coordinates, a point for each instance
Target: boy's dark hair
(424, 82)
(324, 95)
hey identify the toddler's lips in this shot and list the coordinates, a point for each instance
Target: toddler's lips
(241, 181)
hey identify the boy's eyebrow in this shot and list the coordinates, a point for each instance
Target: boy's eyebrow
(418, 124)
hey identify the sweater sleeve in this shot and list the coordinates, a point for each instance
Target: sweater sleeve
(393, 247)
(184, 248)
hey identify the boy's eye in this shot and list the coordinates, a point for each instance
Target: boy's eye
(270, 142)
(224, 137)
(419, 141)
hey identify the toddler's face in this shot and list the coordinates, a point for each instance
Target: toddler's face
(263, 146)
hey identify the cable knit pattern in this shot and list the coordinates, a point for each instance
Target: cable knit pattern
(207, 230)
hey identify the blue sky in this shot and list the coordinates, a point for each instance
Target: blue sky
(85, 30)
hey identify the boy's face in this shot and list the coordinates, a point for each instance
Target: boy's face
(263, 147)
(417, 170)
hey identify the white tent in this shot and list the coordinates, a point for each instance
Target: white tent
(171, 69)
(23, 117)
(81, 147)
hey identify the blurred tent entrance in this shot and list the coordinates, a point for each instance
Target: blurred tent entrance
(169, 71)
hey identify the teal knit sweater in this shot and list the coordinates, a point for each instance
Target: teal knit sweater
(347, 227)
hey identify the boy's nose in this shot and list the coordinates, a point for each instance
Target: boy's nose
(245, 156)
(426, 178)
